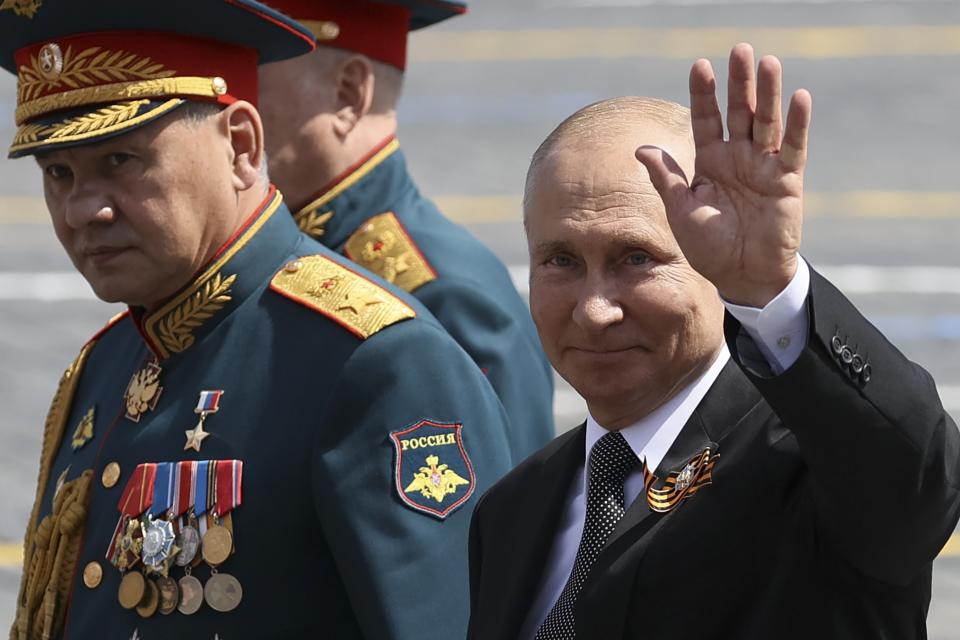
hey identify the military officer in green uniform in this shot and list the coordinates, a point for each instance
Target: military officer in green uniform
(271, 442)
(330, 121)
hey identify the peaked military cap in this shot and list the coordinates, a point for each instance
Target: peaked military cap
(87, 71)
(375, 28)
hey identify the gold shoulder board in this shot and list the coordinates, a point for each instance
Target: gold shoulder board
(382, 245)
(342, 295)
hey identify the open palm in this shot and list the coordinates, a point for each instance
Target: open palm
(739, 221)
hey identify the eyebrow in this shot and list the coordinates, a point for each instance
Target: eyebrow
(551, 246)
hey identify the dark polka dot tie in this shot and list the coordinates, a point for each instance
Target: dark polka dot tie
(611, 459)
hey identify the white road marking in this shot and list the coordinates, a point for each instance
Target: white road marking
(50, 286)
(709, 3)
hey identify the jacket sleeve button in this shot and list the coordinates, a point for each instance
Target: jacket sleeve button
(846, 355)
(837, 345)
(857, 363)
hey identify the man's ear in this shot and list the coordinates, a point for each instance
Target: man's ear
(241, 123)
(355, 83)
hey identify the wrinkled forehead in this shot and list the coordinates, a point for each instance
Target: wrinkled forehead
(595, 188)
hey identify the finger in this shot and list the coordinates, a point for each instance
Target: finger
(704, 109)
(793, 152)
(741, 92)
(667, 178)
(768, 119)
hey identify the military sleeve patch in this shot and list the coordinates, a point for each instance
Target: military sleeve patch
(433, 472)
(342, 295)
(383, 246)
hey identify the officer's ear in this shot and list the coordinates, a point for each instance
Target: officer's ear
(354, 84)
(241, 123)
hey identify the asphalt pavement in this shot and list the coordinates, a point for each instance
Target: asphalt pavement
(483, 90)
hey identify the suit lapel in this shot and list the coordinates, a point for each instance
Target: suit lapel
(602, 605)
(536, 514)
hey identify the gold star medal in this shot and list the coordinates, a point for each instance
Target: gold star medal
(208, 403)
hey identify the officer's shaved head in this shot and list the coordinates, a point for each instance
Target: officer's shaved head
(328, 62)
(623, 124)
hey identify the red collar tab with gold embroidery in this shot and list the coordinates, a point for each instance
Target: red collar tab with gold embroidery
(375, 29)
(86, 75)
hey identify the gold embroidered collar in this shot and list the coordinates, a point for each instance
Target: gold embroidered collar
(313, 218)
(173, 328)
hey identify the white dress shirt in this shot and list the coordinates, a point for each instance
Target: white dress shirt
(780, 332)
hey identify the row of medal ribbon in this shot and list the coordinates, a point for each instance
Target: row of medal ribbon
(177, 514)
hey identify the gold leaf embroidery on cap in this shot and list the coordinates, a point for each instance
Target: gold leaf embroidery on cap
(92, 66)
(28, 133)
(25, 8)
(176, 329)
(95, 121)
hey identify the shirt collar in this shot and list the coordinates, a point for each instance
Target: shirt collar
(651, 436)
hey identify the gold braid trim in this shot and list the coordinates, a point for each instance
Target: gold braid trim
(187, 86)
(35, 558)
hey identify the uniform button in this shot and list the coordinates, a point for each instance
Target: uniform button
(783, 342)
(846, 355)
(837, 345)
(328, 31)
(92, 575)
(866, 374)
(857, 364)
(111, 475)
(219, 86)
(293, 266)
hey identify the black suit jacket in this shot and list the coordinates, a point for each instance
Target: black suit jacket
(832, 494)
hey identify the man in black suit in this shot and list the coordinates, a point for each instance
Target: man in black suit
(762, 464)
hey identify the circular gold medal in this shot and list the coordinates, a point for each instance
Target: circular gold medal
(217, 545)
(110, 475)
(133, 587)
(151, 600)
(223, 592)
(92, 574)
(191, 595)
(169, 594)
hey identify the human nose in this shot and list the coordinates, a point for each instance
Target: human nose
(87, 205)
(597, 305)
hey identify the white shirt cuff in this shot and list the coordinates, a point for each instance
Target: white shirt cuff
(780, 328)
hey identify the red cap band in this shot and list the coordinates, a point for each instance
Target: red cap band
(377, 30)
(95, 64)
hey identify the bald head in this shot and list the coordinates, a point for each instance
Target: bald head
(611, 130)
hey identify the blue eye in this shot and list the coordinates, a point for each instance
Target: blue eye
(638, 259)
(560, 261)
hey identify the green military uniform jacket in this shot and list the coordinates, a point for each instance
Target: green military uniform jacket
(375, 215)
(365, 433)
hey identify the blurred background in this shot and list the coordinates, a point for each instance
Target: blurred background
(883, 204)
